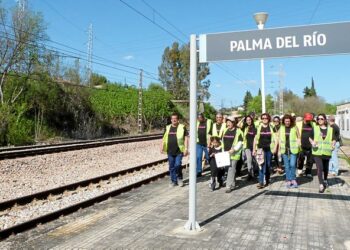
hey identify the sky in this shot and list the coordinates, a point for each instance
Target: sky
(136, 32)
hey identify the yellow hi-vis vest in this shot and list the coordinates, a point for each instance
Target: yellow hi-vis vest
(219, 133)
(324, 147)
(273, 137)
(208, 125)
(245, 136)
(179, 136)
(237, 154)
(293, 144)
(299, 125)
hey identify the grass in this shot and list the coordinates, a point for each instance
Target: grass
(345, 158)
(346, 142)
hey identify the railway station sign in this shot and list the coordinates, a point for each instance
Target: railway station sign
(322, 39)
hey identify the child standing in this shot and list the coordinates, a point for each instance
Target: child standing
(216, 173)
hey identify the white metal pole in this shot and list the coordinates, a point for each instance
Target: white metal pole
(262, 86)
(192, 224)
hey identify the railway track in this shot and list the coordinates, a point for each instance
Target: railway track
(9, 153)
(153, 170)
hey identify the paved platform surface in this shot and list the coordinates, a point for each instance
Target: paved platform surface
(153, 216)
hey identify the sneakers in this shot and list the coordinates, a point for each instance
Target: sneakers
(294, 184)
(181, 182)
(322, 188)
(300, 172)
(172, 184)
(288, 184)
(325, 183)
(228, 190)
(260, 186)
(309, 176)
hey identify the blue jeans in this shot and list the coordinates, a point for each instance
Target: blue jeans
(175, 167)
(334, 163)
(290, 166)
(200, 149)
(265, 168)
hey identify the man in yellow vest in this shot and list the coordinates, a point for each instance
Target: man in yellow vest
(204, 131)
(219, 126)
(175, 144)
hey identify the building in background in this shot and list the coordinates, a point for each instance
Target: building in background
(343, 119)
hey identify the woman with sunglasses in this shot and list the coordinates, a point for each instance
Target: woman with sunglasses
(289, 148)
(264, 145)
(249, 132)
(322, 145)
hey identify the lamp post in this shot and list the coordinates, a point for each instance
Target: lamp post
(260, 19)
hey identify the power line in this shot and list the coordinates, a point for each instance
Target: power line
(170, 33)
(150, 20)
(74, 49)
(315, 10)
(166, 20)
(84, 59)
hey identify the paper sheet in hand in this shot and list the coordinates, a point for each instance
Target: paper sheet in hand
(222, 159)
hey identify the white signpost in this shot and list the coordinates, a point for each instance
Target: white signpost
(323, 39)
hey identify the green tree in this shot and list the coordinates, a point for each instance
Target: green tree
(174, 72)
(330, 109)
(310, 92)
(247, 98)
(19, 47)
(73, 74)
(98, 80)
(255, 104)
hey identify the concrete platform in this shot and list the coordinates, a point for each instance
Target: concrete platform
(153, 217)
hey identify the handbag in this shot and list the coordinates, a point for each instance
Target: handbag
(260, 156)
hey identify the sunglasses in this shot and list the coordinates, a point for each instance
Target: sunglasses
(264, 118)
(320, 118)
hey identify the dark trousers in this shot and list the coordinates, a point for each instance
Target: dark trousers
(305, 152)
(215, 171)
(175, 168)
(322, 168)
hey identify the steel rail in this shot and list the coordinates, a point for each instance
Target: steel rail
(5, 233)
(48, 149)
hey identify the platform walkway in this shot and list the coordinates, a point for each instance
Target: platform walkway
(153, 216)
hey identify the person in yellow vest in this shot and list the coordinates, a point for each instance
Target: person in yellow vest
(256, 121)
(232, 142)
(265, 143)
(204, 131)
(175, 144)
(249, 132)
(306, 131)
(322, 143)
(276, 124)
(219, 126)
(289, 148)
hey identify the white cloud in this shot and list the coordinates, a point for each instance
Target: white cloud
(247, 82)
(274, 73)
(218, 85)
(128, 57)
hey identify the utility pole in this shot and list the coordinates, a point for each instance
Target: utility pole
(139, 115)
(281, 75)
(89, 54)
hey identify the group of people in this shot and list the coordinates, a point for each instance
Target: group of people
(287, 141)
